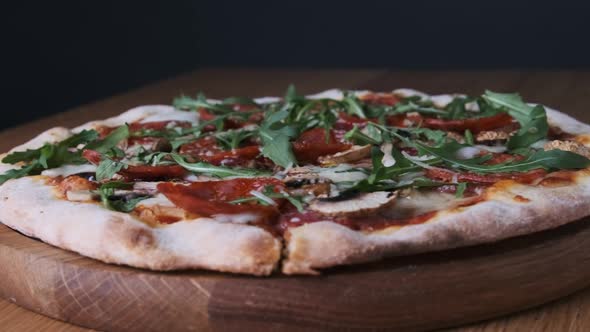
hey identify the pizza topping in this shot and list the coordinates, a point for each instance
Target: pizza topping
(359, 205)
(48, 156)
(350, 158)
(353, 154)
(492, 135)
(475, 125)
(571, 146)
(160, 214)
(316, 143)
(147, 172)
(74, 183)
(67, 170)
(448, 176)
(112, 197)
(212, 198)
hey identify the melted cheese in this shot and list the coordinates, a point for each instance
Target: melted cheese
(174, 115)
(67, 170)
(159, 199)
(267, 100)
(418, 202)
(240, 218)
(80, 195)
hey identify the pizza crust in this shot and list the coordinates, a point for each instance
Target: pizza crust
(325, 244)
(29, 206)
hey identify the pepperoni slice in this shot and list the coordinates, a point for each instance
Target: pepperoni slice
(103, 131)
(206, 149)
(147, 172)
(473, 124)
(446, 175)
(295, 219)
(210, 198)
(255, 118)
(312, 144)
(235, 157)
(92, 156)
(499, 158)
(380, 99)
(158, 125)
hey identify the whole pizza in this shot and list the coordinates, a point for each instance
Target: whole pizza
(298, 183)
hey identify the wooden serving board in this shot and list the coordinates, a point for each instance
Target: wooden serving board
(410, 293)
(407, 293)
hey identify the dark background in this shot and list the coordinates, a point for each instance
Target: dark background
(63, 54)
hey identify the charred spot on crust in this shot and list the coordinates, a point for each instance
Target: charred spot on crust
(139, 237)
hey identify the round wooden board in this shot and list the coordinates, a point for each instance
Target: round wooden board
(407, 293)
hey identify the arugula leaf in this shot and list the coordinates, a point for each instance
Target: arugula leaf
(352, 105)
(110, 141)
(356, 136)
(436, 136)
(461, 186)
(232, 139)
(269, 191)
(218, 171)
(107, 168)
(47, 156)
(291, 94)
(82, 137)
(47, 149)
(553, 159)
(456, 109)
(239, 101)
(17, 173)
(276, 138)
(406, 106)
(533, 120)
(122, 204)
(188, 103)
(468, 137)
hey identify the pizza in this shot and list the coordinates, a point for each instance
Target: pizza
(298, 183)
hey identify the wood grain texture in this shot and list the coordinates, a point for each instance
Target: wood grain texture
(65, 285)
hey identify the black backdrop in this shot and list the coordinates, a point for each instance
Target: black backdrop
(62, 54)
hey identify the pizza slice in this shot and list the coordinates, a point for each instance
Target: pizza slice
(305, 182)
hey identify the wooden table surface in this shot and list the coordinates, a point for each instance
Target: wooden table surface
(568, 91)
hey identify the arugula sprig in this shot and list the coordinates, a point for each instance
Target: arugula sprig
(123, 203)
(218, 171)
(532, 119)
(232, 139)
(270, 192)
(225, 107)
(548, 160)
(48, 156)
(110, 141)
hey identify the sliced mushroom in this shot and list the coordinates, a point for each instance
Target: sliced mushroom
(320, 189)
(298, 176)
(571, 146)
(357, 206)
(354, 154)
(304, 181)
